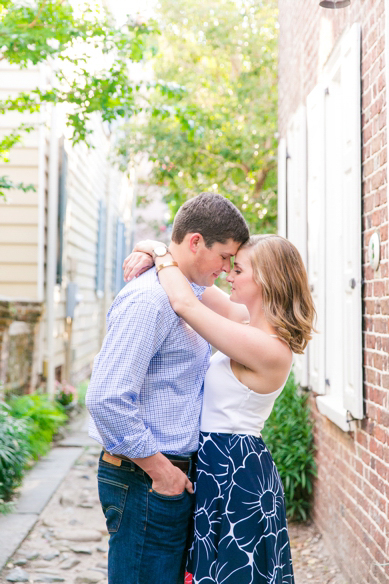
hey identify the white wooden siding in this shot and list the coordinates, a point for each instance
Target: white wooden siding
(19, 217)
(23, 228)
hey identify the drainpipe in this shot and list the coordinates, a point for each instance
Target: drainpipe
(51, 273)
(134, 180)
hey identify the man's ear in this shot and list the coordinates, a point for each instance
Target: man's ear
(196, 241)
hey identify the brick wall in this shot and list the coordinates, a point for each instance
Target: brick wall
(352, 490)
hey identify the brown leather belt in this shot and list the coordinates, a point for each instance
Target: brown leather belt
(117, 461)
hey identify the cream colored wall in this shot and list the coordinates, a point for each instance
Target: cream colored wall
(19, 216)
(90, 178)
(23, 228)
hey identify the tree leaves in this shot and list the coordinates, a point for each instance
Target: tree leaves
(289, 437)
(221, 135)
(90, 58)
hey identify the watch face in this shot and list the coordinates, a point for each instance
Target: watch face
(160, 250)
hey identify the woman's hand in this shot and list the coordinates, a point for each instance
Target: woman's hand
(135, 264)
(147, 246)
(141, 259)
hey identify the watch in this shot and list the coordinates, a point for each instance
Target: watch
(159, 251)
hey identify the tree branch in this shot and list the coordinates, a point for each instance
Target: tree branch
(261, 177)
(33, 23)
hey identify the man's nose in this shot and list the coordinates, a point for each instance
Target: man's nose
(227, 265)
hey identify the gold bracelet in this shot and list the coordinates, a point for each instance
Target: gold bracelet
(166, 265)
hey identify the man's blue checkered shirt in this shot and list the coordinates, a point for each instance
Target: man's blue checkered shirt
(145, 393)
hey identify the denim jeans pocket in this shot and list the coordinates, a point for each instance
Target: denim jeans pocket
(113, 499)
(169, 497)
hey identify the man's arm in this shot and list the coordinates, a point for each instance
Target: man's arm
(136, 332)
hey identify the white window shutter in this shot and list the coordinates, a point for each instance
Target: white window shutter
(282, 188)
(352, 252)
(297, 182)
(296, 188)
(316, 230)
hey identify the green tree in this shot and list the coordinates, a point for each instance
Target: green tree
(72, 40)
(225, 54)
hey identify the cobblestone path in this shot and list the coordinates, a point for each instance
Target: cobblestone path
(69, 543)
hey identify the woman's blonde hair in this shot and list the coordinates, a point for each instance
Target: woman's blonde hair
(287, 301)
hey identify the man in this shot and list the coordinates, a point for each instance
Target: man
(145, 398)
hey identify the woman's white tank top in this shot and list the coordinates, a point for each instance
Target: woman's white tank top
(231, 407)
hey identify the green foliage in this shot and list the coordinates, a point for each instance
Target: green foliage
(288, 436)
(65, 394)
(14, 454)
(223, 138)
(89, 56)
(82, 388)
(43, 418)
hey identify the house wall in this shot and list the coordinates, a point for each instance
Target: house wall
(90, 178)
(352, 489)
(19, 217)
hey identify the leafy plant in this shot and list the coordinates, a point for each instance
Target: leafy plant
(65, 394)
(89, 56)
(43, 419)
(14, 454)
(288, 436)
(81, 391)
(225, 54)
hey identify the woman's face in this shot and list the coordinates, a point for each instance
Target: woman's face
(243, 288)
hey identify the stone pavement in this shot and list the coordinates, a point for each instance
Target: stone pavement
(69, 541)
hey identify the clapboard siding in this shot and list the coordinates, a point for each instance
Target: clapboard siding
(16, 197)
(19, 290)
(18, 234)
(28, 174)
(90, 178)
(18, 253)
(18, 273)
(20, 215)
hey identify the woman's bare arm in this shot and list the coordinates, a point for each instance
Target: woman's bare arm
(139, 261)
(244, 344)
(220, 302)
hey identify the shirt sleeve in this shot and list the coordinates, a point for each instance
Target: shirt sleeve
(135, 334)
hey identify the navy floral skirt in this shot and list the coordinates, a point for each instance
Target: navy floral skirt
(240, 527)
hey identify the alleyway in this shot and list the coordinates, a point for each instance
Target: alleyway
(69, 543)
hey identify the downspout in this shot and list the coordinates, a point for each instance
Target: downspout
(41, 218)
(52, 220)
(41, 192)
(108, 254)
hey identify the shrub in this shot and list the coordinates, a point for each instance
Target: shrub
(43, 419)
(288, 436)
(81, 391)
(65, 394)
(14, 454)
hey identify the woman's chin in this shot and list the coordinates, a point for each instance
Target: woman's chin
(233, 296)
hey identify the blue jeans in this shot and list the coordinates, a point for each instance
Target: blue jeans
(148, 531)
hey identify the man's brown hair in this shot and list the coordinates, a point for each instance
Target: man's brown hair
(212, 215)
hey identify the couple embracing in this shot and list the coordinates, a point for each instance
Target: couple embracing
(172, 421)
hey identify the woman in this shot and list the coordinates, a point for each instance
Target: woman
(240, 534)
